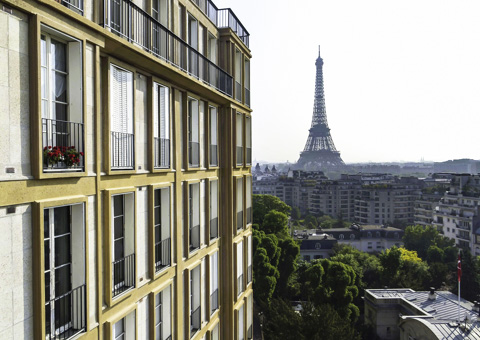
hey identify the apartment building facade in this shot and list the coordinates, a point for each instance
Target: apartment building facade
(125, 170)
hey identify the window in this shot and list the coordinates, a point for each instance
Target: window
(195, 319)
(192, 40)
(213, 282)
(74, 5)
(239, 203)
(193, 133)
(239, 254)
(239, 139)
(161, 126)
(249, 259)
(370, 246)
(238, 75)
(194, 215)
(249, 199)
(249, 307)
(214, 334)
(341, 237)
(121, 118)
(248, 139)
(247, 82)
(213, 209)
(213, 136)
(160, 12)
(123, 243)
(124, 329)
(65, 289)
(379, 245)
(241, 324)
(163, 315)
(162, 228)
(61, 97)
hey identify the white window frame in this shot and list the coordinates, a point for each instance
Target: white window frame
(161, 125)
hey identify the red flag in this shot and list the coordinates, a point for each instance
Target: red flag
(459, 268)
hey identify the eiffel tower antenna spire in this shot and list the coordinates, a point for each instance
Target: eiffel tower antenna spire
(319, 152)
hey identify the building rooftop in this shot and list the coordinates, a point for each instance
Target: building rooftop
(440, 315)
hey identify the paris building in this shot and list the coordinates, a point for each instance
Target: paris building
(125, 181)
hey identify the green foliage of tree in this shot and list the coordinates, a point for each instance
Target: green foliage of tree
(282, 322)
(286, 266)
(420, 239)
(296, 215)
(310, 219)
(263, 204)
(470, 280)
(275, 222)
(404, 269)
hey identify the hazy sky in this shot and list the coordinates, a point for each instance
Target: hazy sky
(402, 78)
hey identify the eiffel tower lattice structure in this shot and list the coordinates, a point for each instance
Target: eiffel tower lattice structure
(319, 152)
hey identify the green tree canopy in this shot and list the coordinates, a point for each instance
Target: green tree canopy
(263, 204)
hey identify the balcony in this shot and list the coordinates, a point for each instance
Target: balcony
(162, 254)
(213, 228)
(194, 154)
(240, 219)
(162, 153)
(194, 321)
(62, 143)
(195, 237)
(123, 274)
(74, 5)
(130, 22)
(463, 237)
(240, 284)
(67, 314)
(208, 8)
(226, 18)
(213, 155)
(214, 301)
(122, 145)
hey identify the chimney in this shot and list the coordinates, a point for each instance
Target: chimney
(431, 295)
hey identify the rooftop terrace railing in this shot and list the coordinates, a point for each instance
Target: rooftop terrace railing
(226, 18)
(130, 22)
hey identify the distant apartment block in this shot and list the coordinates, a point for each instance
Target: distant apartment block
(125, 171)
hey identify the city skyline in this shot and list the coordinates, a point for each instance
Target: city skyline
(400, 78)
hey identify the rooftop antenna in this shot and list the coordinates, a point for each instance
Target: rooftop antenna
(319, 50)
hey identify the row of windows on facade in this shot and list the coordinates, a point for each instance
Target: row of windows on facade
(63, 131)
(64, 261)
(194, 50)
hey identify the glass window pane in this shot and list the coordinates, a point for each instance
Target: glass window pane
(61, 220)
(119, 254)
(118, 205)
(43, 51)
(119, 327)
(59, 53)
(59, 87)
(62, 250)
(118, 227)
(47, 254)
(63, 280)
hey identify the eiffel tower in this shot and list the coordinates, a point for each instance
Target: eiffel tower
(319, 152)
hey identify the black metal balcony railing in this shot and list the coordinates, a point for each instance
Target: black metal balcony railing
(130, 22)
(123, 274)
(249, 215)
(240, 284)
(247, 97)
(250, 332)
(68, 314)
(249, 155)
(162, 153)
(62, 134)
(239, 155)
(249, 274)
(194, 321)
(213, 228)
(238, 91)
(226, 18)
(162, 254)
(74, 5)
(240, 219)
(194, 237)
(214, 301)
(123, 146)
(213, 155)
(194, 154)
(209, 8)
